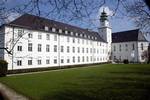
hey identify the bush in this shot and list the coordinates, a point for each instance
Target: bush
(3, 68)
(125, 61)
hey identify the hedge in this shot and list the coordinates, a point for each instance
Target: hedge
(3, 68)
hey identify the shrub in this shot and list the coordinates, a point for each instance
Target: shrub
(3, 68)
(125, 61)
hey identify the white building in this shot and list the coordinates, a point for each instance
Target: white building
(36, 42)
(130, 45)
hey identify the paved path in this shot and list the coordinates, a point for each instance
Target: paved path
(9, 94)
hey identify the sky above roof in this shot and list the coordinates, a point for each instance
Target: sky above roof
(118, 21)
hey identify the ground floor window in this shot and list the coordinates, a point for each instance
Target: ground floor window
(62, 60)
(68, 60)
(47, 61)
(55, 61)
(19, 62)
(39, 62)
(29, 62)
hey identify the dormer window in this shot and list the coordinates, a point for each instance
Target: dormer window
(53, 29)
(76, 34)
(46, 28)
(66, 32)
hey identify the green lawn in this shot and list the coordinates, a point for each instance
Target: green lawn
(100, 82)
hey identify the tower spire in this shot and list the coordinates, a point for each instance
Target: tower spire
(103, 16)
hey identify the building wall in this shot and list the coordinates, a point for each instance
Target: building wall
(142, 50)
(90, 51)
(133, 54)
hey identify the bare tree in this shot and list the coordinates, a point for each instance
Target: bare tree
(139, 12)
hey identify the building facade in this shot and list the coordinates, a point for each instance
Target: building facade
(36, 42)
(129, 45)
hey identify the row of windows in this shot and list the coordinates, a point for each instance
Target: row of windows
(68, 39)
(126, 47)
(79, 59)
(30, 35)
(69, 32)
(79, 49)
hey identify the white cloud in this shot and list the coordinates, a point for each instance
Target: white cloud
(107, 10)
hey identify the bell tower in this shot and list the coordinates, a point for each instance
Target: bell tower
(105, 31)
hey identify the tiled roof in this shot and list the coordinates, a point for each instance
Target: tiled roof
(38, 23)
(127, 36)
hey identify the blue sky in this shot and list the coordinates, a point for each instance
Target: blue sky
(118, 22)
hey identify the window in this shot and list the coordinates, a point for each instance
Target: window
(30, 62)
(68, 60)
(55, 61)
(39, 47)
(126, 46)
(39, 36)
(78, 49)
(55, 48)
(47, 36)
(73, 59)
(90, 50)
(30, 35)
(46, 28)
(141, 46)
(114, 48)
(19, 62)
(20, 32)
(120, 47)
(82, 50)
(78, 59)
(68, 39)
(47, 61)
(62, 60)
(47, 48)
(133, 48)
(87, 50)
(39, 62)
(19, 48)
(83, 59)
(29, 46)
(87, 59)
(68, 49)
(55, 37)
(73, 40)
(62, 48)
(114, 57)
(73, 49)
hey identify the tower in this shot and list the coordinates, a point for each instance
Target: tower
(105, 31)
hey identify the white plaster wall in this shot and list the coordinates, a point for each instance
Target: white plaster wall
(125, 53)
(100, 55)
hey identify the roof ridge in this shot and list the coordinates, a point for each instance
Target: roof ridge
(137, 29)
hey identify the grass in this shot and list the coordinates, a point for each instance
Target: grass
(100, 82)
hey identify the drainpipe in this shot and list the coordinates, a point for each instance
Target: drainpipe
(13, 50)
